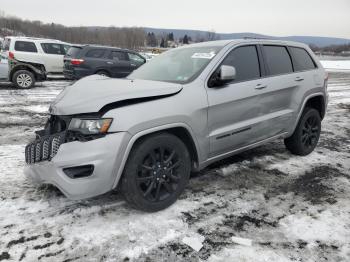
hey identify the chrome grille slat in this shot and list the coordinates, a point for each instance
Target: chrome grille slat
(38, 151)
(32, 154)
(44, 148)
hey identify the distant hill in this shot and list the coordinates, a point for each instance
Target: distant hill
(315, 40)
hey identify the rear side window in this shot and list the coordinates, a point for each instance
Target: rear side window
(66, 48)
(25, 46)
(95, 53)
(301, 59)
(73, 51)
(53, 49)
(119, 55)
(246, 62)
(278, 60)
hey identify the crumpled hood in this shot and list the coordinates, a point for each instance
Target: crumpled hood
(90, 94)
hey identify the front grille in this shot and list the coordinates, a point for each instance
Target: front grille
(44, 148)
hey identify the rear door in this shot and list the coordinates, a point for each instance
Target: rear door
(119, 63)
(27, 51)
(52, 55)
(281, 87)
(95, 59)
(306, 76)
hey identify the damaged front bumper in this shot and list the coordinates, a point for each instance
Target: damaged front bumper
(80, 169)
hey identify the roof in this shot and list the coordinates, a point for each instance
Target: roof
(36, 39)
(248, 40)
(102, 46)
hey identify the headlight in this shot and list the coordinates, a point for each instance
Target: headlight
(90, 126)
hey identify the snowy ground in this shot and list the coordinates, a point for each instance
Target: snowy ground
(293, 208)
(336, 65)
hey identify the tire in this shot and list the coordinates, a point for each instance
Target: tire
(156, 173)
(23, 79)
(102, 73)
(307, 133)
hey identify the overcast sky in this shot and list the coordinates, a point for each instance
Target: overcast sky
(271, 17)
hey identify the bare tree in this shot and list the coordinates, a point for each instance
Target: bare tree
(126, 37)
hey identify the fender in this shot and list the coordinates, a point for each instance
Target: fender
(16, 64)
(306, 99)
(119, 170)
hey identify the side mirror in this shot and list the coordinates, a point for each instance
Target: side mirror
(227, 73)
(222, 76)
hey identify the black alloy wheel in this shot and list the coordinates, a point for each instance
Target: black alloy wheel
(307, 133)
(156, 173)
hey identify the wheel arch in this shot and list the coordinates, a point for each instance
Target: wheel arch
(317, 101)
(180, 130)
(104, 70)
(36, 72)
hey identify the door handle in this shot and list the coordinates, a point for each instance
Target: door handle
(133, 65)
(260, 86)
(298, 78)
(110, 63)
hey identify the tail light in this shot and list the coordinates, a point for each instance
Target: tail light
(11, 55)
(76, 61)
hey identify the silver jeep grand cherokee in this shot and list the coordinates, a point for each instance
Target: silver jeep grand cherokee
(178, 113)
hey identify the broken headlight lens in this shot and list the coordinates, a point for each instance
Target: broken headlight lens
(90, 126)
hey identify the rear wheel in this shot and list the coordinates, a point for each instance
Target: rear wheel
(102, 73)
(23, 79)
(156, 173)
(307, 133)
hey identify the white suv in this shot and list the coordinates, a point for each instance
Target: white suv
(31, 59)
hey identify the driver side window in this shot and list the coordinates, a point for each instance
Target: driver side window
(246, 62)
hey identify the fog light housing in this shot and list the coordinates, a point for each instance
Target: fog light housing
(79, 171)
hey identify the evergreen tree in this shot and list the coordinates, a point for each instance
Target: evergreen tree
(185, 40)
(162, 43)
(171, 37)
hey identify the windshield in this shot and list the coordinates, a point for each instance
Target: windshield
(180, 65)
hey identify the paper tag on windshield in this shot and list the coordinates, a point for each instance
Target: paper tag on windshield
(203, 55)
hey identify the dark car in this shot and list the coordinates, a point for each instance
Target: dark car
(87, 60)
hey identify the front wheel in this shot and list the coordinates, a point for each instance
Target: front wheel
(156, 173)
(306, 135)
(23, 79)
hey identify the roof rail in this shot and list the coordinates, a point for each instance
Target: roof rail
(33, 38)
(255, 37)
